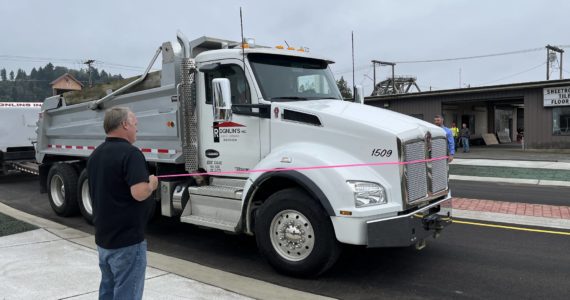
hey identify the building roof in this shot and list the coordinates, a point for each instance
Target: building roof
(66, 75)
(480, 89)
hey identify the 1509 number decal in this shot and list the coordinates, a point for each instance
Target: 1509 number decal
(381, 152)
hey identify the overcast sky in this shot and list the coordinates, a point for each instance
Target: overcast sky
(128, 33)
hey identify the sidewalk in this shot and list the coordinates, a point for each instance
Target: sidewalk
(513, 152)
(550, 216)
(58, 262)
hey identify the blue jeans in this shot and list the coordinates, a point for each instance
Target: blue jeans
(122, 272)
(465, 143)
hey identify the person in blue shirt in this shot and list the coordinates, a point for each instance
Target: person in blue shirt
(438, 120)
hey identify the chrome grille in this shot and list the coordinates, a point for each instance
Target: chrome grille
(416, 173)
(438, 167)
(423, 181)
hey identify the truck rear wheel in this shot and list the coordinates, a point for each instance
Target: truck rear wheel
(84, 197)
(295, 235)
(62, 189)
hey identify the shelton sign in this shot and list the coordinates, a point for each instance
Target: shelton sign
(557, 96)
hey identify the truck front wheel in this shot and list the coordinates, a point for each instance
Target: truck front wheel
(62, 189)
(295, 235)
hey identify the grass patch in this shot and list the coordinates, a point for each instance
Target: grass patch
(9, 225)
(509, 172)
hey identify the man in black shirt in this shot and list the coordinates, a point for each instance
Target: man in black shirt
(119, 183)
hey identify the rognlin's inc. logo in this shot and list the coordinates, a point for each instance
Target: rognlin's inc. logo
(226, 128)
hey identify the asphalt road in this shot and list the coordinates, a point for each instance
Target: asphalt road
(468, 261)
(523, 193)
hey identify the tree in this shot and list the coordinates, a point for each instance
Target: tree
(11, 75)
(21, 75)
(345, 91)
(34, 74)
(3, 74)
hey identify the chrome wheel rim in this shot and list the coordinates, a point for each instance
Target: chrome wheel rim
(86, 197)
(57, 190)
(292, 235)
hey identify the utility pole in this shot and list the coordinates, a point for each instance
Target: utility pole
(385, 63)
(89, 62)
(554, 49)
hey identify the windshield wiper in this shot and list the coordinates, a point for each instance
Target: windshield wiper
(289, 98)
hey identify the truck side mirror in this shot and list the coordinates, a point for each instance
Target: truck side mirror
(358, 94)
(221, 104)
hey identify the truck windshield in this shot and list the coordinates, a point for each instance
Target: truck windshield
(289, 78)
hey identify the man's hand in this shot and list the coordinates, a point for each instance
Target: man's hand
(141, 191)
(153, 182)
(450, 158)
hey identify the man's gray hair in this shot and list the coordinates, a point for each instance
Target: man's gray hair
(438, 117)
(114, 117)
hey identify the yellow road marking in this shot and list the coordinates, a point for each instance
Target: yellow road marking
(511, 227)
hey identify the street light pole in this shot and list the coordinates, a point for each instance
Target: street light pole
(384, 63)
(89, 62)
(555, 49)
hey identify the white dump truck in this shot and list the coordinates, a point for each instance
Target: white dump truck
(18, 123)
(258, 141)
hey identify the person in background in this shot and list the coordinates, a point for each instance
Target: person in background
(438, 120)
(455, 132)
(464, 135)
(120, 187)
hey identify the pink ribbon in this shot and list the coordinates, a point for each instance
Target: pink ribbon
(306, 168)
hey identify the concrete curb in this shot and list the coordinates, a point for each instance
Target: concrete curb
(232, 282)
(511, 219)
(511, 180)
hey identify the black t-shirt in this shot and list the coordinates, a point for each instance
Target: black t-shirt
(120, 220)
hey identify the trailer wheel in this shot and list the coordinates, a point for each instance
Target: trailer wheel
(84, 197)
(62, 189)
(295, 235)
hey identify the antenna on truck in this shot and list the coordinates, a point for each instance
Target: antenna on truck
(243, 55)
(242, 38)
(353, 84)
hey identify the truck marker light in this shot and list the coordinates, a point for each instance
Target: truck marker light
(279, 47)
(291, 48)
(345, 213)
(276, 112)
(170, 124)
(286, 160)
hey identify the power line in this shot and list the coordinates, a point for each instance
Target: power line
(470, 57)
(67, 61)
(361, 67)
(513, 75)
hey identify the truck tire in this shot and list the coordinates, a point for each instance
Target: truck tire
(62, 189)
(295, 235)
(84, 197)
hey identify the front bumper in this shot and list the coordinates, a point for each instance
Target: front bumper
(411, 228)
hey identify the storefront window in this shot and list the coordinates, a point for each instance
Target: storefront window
(561, 121)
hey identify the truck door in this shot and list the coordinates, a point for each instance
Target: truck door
(233, 145)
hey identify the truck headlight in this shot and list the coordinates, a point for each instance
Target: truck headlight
(367, 193)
